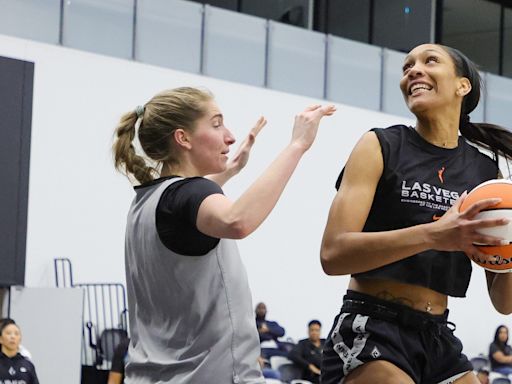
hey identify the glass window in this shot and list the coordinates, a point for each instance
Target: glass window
(507, 43)
(101, 26)
(31, 19)
(401, 24)
(292, 67)
(294, 12)
(168, 33)
(472, 26)
(349, 19)
(236, 53)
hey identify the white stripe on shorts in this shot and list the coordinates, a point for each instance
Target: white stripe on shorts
(346, 354)
(453, 378)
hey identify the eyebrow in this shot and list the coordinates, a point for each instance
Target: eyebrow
(427, 50)
(217, 115)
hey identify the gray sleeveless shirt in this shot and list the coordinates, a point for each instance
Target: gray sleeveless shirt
(191, 318)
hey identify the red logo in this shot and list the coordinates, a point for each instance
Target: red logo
(440, 175)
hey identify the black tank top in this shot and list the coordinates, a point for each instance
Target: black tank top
(419, 183)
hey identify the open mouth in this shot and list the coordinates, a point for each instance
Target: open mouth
(419, 87)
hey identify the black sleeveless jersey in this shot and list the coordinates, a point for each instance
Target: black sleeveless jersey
(419, 183)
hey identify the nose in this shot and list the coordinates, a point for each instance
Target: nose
(416, 70)
(230, 139)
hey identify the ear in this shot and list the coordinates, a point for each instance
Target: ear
(182, 138)
(464, 87)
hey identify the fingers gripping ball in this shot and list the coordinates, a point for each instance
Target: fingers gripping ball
(491, 189)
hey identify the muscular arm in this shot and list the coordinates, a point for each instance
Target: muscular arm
(343, 237)
(346, 250)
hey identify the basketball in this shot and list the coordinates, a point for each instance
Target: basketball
(494, 188)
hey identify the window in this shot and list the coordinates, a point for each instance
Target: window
(473, 27)
(348, 18)
(507, 43)
(401, 24)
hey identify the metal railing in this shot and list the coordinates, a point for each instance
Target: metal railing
(104, 316)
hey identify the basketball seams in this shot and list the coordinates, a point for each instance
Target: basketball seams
(497, 188)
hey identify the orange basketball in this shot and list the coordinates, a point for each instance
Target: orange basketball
(494, 188)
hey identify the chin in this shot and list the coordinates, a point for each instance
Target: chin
(218, 169)
(418, 107)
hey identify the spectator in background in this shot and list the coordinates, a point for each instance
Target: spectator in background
(22, 350)
(268, 330)
(483, 376)
(500, 353)
(307, 354)
(116, 374)
(14, 368)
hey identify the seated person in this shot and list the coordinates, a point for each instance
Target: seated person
(307, 354)
(500, 353)
(14, 368)
(268, 372)
(116, 374)
(268, 331)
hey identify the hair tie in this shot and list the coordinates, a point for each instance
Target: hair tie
(139, 110)
(465, 119)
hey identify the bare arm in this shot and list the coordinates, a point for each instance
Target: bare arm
(219, 217)
(500, 357)
(343, 239)
(115, 378)
(239, 160)
(499, 286)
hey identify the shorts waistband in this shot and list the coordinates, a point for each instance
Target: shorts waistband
(360, 303)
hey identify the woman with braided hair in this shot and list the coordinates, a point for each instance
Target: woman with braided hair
(395, 227)
(189, 302)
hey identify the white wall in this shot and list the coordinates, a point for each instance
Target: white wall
(78, 203)
(58, 311)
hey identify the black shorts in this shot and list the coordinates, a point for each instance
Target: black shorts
(369, 329)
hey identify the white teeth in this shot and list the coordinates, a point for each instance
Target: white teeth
(416, 87)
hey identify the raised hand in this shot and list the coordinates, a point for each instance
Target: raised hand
(239, 160)
(306, 124)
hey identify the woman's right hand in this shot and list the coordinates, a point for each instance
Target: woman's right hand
(306, 124)
(458, 231)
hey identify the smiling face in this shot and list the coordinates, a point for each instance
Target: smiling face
(210, 141)
(430, 81)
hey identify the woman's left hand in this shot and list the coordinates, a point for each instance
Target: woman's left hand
(241, 157)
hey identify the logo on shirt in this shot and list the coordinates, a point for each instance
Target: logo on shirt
(440, 175)
(12, 371)
(23, 369)
(375, 353)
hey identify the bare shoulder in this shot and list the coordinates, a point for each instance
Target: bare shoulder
(365, 161)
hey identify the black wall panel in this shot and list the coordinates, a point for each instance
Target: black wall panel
(16, 88)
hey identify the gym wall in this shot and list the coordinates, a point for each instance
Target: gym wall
(78, 202)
